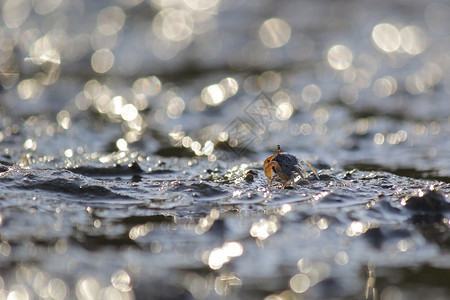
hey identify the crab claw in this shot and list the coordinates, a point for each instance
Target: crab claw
(267, 169)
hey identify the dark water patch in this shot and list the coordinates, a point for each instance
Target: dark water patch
(378, 237)
(118, 170)
(6, 160)
(375, 236)
(95, 242)
(431, 201)
(428, 207)
(136, 178)
(6, 178)
(336, 198)
(156, 219)
(73, 187)
(3, 167)
(175, 152)
(161, 171)
(383, 208)
(405, 172)
(200, 190)
(422, 282)
(397, 115)
(436, 232)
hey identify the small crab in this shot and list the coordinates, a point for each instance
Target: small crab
(285, 165)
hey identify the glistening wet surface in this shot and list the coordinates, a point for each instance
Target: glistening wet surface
(133, 135)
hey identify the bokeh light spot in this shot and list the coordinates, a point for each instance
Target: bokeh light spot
(311, 93)
(102, 60)
(110, 20)
(44, 7)
(230, 86)
(213, 95)
(385, 86)
(129, 112)
(122, 145)
(15, 12)
(263, 228)
(413, 40)
(29, 88)
(149, 86)
(284, 111)
(269, 81)
(386, 37)
(57, 289)
(173, 24)
(378, 139)
(121, 281)
(340, 57)
(275, 33)
(341, 258)
(175, 108)
(299, 283)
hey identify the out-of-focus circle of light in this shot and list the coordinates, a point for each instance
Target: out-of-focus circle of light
(385, 86)
(44, 7)
(269, 81)
(340, 57)
(213, 95)
(299, 283)
(311, 93)
(86, 286)
(57, 288)
(275, 33)
(230, 86)
(29, 88)
(102, 60)
(122, 145)
(174, 25)
(201, 4)
(110, 20)
(121, 281)
(149, 86)
(129, 112)
(175, 108)
(15, 12)
(284, 111)
(386, 37)
(414, 40)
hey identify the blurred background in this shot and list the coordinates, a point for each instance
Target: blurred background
(350, 85)
(83, 76)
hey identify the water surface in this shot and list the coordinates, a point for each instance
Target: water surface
(132, 136)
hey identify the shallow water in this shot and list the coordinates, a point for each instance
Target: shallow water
(132, 136)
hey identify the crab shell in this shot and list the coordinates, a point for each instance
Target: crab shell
(285, 166)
